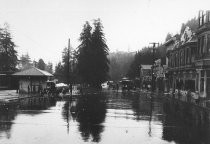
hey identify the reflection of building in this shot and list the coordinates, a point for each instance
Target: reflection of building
(159, 72)
(146, 75)
(185, 124)
(189, 59)
(32, 80)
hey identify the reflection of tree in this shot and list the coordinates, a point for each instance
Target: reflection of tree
(37, 104)
(8, 111)
(67, 112)
(90, 111)
(7, 115)
(185, 124)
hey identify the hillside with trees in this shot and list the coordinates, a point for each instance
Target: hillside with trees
(119, 64)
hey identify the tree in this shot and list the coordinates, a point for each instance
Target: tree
(192, 24)
(84, 56)
(59, 71)
(25, 62)
(41, 64)
(168, 36)
(119, 64)
(100, 52)
(8, 54)
(49, 67)
(145, 57)
(93, 64)
(67, 59)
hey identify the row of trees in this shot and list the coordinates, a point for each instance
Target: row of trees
(145, 57)
(25, 63)
(119, 64)
(65, 70)
(88, 63)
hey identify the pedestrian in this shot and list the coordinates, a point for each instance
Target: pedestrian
(70, 87)
(28, 89)
(117, 87)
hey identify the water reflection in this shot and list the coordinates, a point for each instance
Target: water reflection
(8, 113)
(128, 117)
(36, 104)
(185, 124)
(90, 111)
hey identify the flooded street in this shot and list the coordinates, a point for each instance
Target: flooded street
(106, 118)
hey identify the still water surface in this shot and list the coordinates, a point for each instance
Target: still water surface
(106, 118)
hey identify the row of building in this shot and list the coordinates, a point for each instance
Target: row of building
(187, 66)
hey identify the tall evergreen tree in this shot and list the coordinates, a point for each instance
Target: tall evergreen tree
(84, 56)
(59, 71)
(25, 62)
(49, 67)
(100, 67)
(8, 54)
(41, 64)
(93, 64)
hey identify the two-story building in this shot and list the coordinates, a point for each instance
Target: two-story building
(202, 55)
(189, 60)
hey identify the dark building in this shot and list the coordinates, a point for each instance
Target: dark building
(7, 81)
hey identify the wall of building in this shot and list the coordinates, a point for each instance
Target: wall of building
(32, 85)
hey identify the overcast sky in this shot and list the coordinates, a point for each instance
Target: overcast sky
(42, 27)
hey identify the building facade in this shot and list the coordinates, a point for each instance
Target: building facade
(189, 61)
(32, 80)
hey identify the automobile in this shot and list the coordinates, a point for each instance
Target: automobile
(105, 85)
(50, 87)
(127, 84)
(62, 87)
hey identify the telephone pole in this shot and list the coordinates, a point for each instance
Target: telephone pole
(153, 61)
(68, 62)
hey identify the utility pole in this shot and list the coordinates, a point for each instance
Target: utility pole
(153, 61)
(68, 62)
(140, 77)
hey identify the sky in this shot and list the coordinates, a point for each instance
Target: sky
(42, 28)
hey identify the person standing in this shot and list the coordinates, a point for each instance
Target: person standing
(117, 87)
(28, 89)
(70, 87)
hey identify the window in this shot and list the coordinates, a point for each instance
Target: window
(182, 57)
(187, 56)
(208, 43)
(202, 85)
(177, 59)
(202, 44)
(208, 73)
(198, 47)
(190, 55)
(202, 73)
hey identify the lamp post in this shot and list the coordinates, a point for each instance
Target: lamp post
(153, 59)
